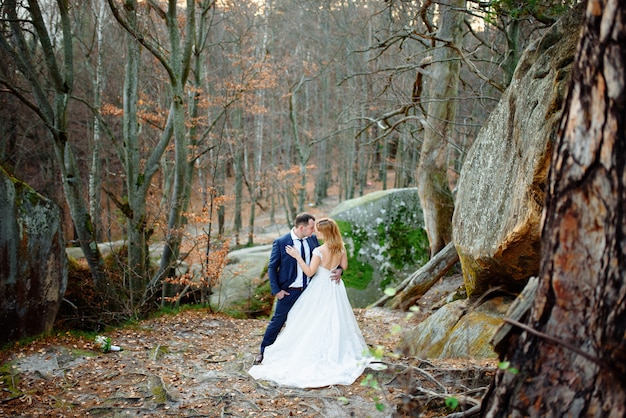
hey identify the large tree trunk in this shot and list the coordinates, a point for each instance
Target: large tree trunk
(571, 350)
(432, 173)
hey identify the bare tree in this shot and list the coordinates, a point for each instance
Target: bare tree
(48, 94)
(95, 172)
(432, 172)
(174, 54)
(570, 349)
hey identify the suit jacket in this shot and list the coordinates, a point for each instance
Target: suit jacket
(282, 267)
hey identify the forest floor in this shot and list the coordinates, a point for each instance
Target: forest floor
(194, 364)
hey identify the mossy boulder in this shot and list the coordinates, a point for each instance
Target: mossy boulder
(33, 264)
(456, 331)
(385, 239)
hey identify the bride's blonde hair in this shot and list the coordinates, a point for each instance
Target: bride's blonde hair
(331, 235)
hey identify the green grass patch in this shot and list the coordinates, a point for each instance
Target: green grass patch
(358, 275)
(10, 379)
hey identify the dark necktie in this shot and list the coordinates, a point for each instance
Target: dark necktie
(304, 279)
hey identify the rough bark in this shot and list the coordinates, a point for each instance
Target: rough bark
(570, 351)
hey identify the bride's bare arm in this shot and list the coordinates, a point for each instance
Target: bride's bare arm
(310, 269)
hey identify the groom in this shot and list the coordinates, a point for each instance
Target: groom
(286, 278)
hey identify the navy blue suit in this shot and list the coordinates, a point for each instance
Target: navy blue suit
(283, 270)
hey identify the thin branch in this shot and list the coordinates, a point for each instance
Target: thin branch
(134, 32)
(474, 410)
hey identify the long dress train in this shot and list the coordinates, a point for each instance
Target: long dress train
(321, 343)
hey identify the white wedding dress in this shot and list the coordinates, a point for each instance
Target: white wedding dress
(321, 343)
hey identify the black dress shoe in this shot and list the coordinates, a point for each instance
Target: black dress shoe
(258, 359)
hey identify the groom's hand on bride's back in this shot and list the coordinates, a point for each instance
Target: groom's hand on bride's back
(335, 274)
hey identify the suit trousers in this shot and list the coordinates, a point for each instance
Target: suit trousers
(282, 308)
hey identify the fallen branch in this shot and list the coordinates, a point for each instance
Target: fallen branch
(11, 398)
(418, 283)
(474, 410)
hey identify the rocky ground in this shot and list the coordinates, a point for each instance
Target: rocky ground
(194, 364)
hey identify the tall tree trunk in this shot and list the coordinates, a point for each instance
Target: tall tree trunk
(177, 64)
(303, 149)
(139, 169)
(137, 246)
(324, 159)
(79, 211)
(237, 155)
(176, 61)
(254, 188)
(95, 172)
(432, 173)
(50, 104)
(176, 221)
(571, 350)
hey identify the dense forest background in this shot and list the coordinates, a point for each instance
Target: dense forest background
(138, 117)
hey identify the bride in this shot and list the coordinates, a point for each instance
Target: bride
(321, 344)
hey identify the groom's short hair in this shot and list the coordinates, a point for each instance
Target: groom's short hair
(303, 219)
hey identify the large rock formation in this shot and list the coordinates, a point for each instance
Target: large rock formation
(500, 198)
(496, 225)
(33, 264)
(455, 331)
(242, 275)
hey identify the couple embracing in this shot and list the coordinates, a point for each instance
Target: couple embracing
(321, 343)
